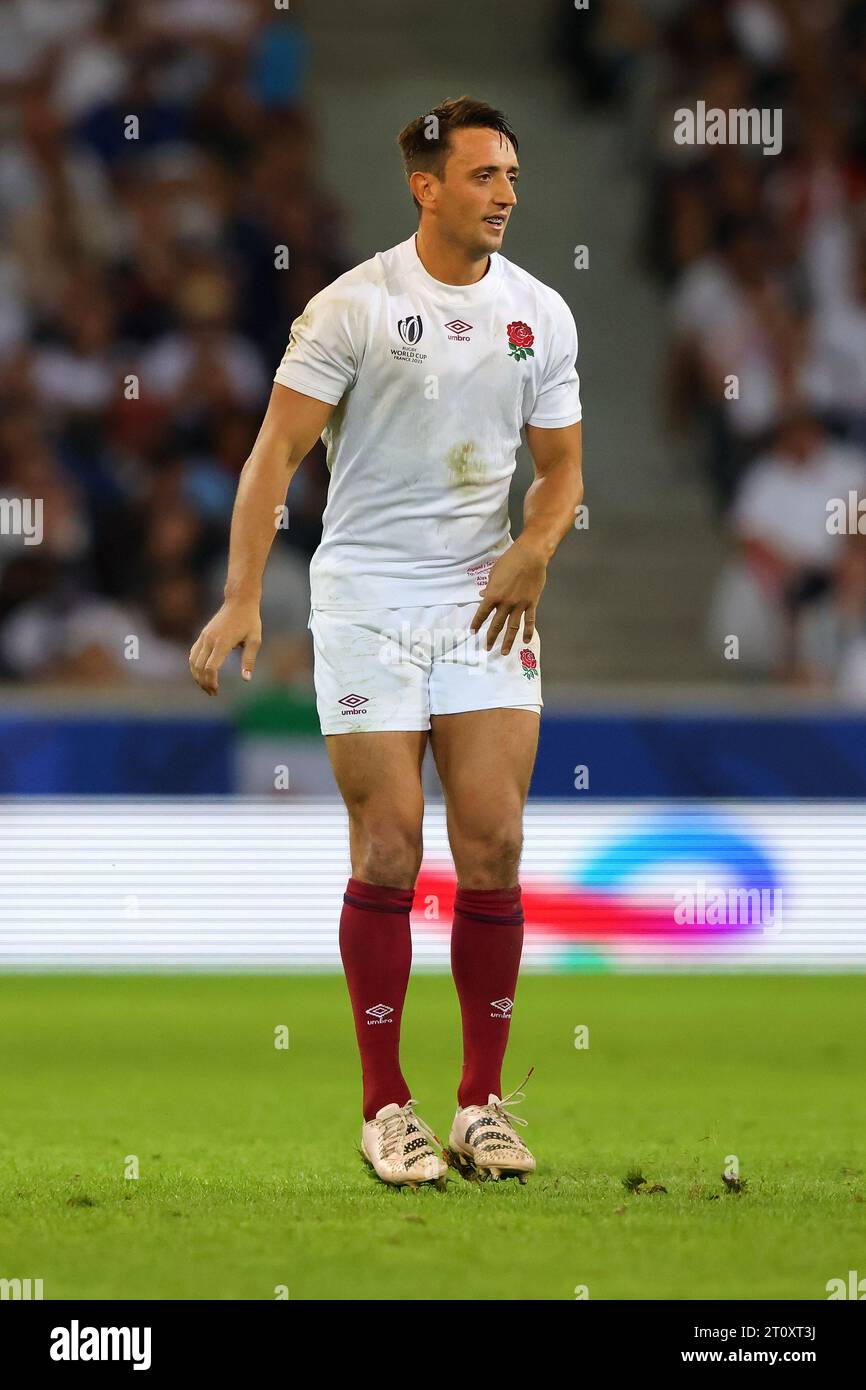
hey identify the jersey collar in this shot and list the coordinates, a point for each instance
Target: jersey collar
(476, 293)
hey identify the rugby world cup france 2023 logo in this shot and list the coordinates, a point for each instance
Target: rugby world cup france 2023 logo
(410, 329)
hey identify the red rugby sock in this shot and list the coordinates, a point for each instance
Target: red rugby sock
(486, 944)
(376, 948)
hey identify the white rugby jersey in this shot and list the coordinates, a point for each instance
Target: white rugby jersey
(432, 384)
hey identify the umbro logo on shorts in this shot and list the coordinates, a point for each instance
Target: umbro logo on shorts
(380, 1014)
(353, 704)
(503, 1007)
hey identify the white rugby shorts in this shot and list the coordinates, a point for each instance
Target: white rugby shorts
(391, 668)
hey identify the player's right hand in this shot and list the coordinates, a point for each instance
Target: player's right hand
(237, 624)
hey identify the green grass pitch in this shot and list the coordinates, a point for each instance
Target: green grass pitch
(249, 1177)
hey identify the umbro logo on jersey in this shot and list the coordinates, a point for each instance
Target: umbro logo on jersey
(458, 331)
(504, 1007)
(380, 1014)
(411, 329)
(353, 704)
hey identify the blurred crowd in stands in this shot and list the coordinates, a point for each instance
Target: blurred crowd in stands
(154, 160)
(763, 259)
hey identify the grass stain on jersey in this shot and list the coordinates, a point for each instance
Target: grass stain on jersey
(465, 468)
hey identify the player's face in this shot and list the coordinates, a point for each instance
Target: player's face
(476, 196)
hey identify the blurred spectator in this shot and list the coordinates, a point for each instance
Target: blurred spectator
(279, 56)
(791, 558)
(835, 372)
(95, 641)
(203, 365)
(732, 350)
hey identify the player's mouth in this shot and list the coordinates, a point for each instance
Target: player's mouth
(496, 221)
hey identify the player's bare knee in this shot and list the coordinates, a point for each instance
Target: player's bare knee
(394, 866)
(491, 862)
(387, 851)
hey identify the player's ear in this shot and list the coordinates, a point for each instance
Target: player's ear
(420, 187)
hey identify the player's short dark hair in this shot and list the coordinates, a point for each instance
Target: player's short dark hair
(425, 145)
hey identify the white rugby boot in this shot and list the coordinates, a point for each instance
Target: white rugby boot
(396, 1143)
(483, 1138)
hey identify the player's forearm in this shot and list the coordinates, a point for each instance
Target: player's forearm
(550, 505)
(259, 503)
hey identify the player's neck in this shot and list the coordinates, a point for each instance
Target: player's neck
(447, 262)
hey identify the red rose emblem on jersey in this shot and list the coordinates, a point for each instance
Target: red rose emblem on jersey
(529, 663)
(520, 340)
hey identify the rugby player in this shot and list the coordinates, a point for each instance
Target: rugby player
(420, 368)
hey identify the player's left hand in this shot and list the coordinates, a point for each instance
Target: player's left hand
(514, 587)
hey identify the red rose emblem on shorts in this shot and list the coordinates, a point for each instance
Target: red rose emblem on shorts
(529, 663)
(520, 340)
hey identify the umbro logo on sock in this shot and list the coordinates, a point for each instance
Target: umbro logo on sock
(503, 1007)
(380, 1014)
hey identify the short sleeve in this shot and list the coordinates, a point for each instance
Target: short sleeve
(321, 359)
(557, 402)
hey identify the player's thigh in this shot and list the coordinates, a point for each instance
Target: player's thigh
(379, 779)
(485, 759)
